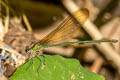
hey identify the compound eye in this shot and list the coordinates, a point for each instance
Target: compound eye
(27, 48)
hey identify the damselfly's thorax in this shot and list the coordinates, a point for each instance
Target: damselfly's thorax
(33, 48)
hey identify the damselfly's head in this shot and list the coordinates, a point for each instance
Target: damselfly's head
(27, 49)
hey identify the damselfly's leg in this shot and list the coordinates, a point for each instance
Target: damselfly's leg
(37, 53)
(30, 64)
(39, 64)
(43, 59)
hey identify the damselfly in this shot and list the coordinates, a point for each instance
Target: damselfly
(62, 33)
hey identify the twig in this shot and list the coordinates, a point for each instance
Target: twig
(97, 65)
(2, 31)
(7, 20)
(7, 16)
(5, 27)
(92, 30)
(26, 22)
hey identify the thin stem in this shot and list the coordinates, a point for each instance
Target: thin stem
(26, 21)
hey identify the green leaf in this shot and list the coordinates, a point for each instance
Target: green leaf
(55, 68)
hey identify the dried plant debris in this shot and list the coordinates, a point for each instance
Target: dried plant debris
(18, 38)
(7, 63)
